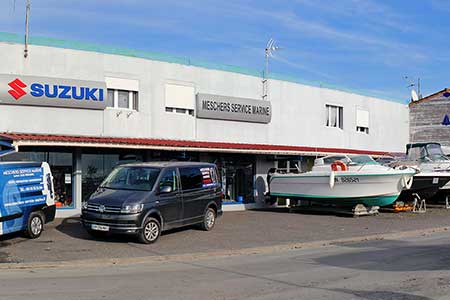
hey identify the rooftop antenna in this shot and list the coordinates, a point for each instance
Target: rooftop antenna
(414, 95)
(269, 50)
(27, 15)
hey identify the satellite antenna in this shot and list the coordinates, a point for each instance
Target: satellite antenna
(269, 50)
(414, 96)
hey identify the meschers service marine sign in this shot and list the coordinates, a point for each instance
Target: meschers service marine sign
(46, 91)
(233, 109)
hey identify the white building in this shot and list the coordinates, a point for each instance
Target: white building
(141, 106)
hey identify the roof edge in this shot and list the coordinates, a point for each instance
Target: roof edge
(75, 45)
(25, 139)
(427, 98)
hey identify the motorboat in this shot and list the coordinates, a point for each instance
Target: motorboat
(343, 180)
(432, 182)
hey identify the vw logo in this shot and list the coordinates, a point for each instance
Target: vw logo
(101, 208)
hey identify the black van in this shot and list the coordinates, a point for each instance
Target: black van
(147, 198)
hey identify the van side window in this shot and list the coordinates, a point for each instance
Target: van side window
(191, 178)
(169, 179)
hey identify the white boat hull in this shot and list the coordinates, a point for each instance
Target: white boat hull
(343, 187)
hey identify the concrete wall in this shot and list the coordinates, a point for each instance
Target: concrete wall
(298, 117)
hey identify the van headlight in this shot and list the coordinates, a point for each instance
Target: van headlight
(132, 209)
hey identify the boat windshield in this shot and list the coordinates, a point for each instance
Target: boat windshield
(434, 152)
(131, 178)
(363, 160)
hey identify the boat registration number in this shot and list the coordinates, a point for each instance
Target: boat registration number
(347, 179)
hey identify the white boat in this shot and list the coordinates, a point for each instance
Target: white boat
(343, 180)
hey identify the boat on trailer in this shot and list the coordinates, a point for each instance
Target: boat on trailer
(432, 182)
(342, 181)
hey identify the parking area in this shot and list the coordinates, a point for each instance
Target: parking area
(66, 240)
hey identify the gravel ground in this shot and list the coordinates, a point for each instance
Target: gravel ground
(66, 240)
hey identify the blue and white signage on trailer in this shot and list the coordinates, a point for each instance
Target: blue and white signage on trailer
(26, 197)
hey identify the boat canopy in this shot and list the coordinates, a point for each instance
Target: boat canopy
(425, 152)
(347, 159)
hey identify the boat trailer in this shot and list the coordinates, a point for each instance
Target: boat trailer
(356, 211)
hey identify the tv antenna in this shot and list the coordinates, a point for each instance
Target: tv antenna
(269, 50)
(27, 16)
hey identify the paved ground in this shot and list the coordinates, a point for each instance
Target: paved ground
(66, 240)
(407, 269)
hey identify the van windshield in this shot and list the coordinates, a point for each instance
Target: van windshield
(131, 178)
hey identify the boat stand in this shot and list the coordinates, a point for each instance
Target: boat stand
(447, 206)
(419, 206)
(357, 211)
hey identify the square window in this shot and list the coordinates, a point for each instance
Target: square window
(123, 99)
(335, 116)
(135, 100)
(110, 98)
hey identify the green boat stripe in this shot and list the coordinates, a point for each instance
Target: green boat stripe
(333, 197)
(343, 175)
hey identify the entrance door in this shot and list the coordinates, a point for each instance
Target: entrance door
(237, 180)
(62, 179)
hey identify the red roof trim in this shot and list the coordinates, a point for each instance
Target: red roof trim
(178, 143)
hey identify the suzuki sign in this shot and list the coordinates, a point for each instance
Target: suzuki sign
(46, 91)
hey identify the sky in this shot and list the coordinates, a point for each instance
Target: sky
(362, 45)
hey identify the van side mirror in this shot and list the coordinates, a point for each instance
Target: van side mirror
(165, 189)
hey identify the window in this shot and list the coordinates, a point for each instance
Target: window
(180, 99)
(331, 159)
(362, 121)
(335, 116)
(122, 99)
(209, 177)
(122, 93)
(362, 129)
(191, 178)
(169, 179)
(131, 178)
(180, 111)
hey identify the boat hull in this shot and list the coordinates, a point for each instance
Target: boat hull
(427, 186)
(341, 188)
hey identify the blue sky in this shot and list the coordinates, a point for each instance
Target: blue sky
(364, 45)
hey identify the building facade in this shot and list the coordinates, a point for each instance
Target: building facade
(85, 109)
(429, 119)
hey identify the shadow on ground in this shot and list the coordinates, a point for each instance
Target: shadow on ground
(392, 256)
(73, 228)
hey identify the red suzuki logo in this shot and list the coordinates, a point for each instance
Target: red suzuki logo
(17, 87)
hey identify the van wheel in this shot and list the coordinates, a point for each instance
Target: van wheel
(150, 231)
(35, 225)
(209, 219)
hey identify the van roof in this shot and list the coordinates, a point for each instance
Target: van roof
(166, 164)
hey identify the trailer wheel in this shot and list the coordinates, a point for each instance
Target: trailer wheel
(35, 225)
